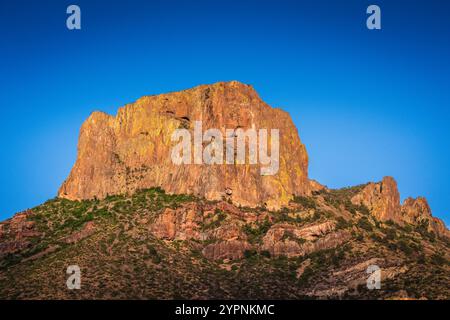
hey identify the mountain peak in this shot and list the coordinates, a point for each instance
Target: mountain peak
(132, 150)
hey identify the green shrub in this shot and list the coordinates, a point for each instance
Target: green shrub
(404, 246)
(306, 275)
(342, 223)
(265, 253)
(258, 231)
(248, 254)
(364, 210)
(217, 220)
(391, 234)
(103, 212)
(365, 224)
(438, 259)
(305, 202)
(153, 254)
(350, 207)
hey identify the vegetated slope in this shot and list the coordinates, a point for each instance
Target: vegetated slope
(152, 245)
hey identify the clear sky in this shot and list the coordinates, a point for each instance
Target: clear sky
(366, 103)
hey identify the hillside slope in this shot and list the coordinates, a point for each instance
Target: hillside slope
(152, 245)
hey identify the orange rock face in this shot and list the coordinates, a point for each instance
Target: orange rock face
(282, 239)
(382, 199)
(230, 249)
(132, 150)
(19, 230)
(179, 224)
(316, 186)
(416, 211)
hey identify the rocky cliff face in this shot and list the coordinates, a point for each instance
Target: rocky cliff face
(417, 212)
(383, 201)
(132, 150)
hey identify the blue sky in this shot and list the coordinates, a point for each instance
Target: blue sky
(366, 103)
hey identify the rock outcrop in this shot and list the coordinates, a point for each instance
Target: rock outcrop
(225, 237)
(231, 249)
(15, 233)
(87, 230)
(178, 224)
(382, 199)
(417, 211)
(292, 241)
(316, 186)
(132, 150)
